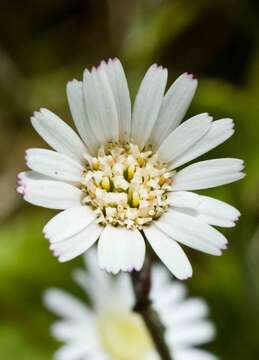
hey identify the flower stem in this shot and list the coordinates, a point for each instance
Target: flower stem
(141, 282)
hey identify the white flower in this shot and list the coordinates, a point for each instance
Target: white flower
(112, 331)
(120, 181)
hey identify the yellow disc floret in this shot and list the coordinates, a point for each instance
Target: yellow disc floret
(125, 186)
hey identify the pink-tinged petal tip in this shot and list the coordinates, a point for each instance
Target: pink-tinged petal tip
(21, 190)
(190, 76)
(45, 235)
(19, 178)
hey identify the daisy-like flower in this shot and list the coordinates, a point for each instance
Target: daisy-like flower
(110, 330)
(120, 182)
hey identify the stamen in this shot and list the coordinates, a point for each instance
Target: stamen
(106, 185)
(135, 199)
(125, 186)
(131, 172)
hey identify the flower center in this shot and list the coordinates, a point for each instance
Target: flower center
(125, 186)
(125, 337)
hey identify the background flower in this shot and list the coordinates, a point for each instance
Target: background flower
(110, 330)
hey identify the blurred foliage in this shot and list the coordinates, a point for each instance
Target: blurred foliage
(45, 43)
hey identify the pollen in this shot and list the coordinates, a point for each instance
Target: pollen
(126, 186)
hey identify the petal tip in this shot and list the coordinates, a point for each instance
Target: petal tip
(113, 271)
(185, 276)
(191, 76)
(21, 190)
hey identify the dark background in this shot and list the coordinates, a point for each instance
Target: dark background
(45, 43)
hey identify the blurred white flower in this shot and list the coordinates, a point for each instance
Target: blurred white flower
(110, 330)
(119, 180)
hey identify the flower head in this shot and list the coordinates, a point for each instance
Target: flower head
(110, 330)
(119, 181)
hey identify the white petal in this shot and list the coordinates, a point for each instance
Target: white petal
(188, 312)
(193, 334)
(174, 107)
(209, 173)
(78, 110)
(162, 284)
(219, 132)
(166, 299)
(78, 244)
(71, 330)
(100, 105)
(204, 208)
(169, 252)
(192, 232)
(167, 302)
(100, 287)
(210, 211)
(66, 305)
(121, 249)
(183, 137)
(193, 354)
(188, 239)
(201, 229)
(124, 293)
(58, 134)
(183, 199)
(30, 176)
(78, 333)
(98, 277)
(72, 351)
(54, 164)
(147, 104)
(160, 277)
(216, 212)
(47, 193)
(68, 223)
(106, 294)
(119, 86)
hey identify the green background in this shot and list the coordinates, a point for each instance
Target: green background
(45, 43)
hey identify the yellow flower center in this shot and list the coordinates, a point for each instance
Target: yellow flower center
(124, 336)
(125, 186)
